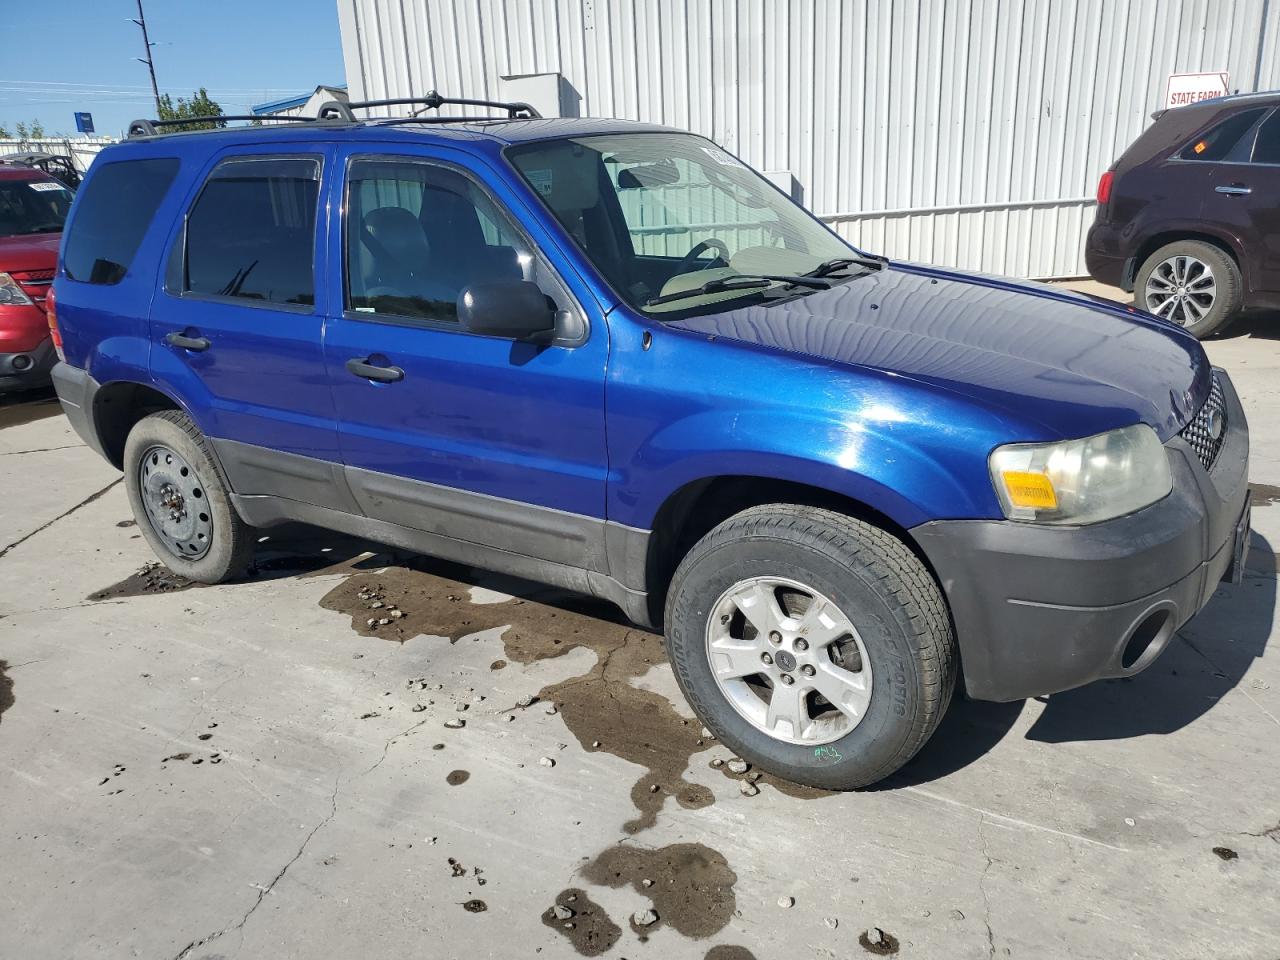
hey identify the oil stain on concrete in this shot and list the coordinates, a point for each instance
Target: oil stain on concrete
(690, 884)
(6, 688)
(582, 922)
(602, 708)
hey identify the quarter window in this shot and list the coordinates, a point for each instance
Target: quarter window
(1217, 143)
(1266, 149)
(418, 234)
(116, 206)
(251, 233)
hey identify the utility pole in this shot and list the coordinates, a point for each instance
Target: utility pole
(146, 42)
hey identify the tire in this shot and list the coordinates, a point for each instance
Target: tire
(208, 541)
(1179, 268)
(901, 631)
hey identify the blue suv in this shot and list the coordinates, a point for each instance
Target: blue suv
(612, 357)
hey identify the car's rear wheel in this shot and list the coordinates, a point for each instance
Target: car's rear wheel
(1192, 283)
(814, 645)
(180, 502)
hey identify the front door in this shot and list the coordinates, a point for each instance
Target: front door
(475, 438)
(236, 327)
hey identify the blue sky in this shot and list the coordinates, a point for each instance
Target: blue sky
(79, 55)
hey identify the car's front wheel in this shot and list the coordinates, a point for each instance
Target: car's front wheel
(1192, 283)
(814, 645)
(180, 502)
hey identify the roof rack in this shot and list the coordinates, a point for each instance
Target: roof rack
(149, 128)
(337, 110)
(516, 110)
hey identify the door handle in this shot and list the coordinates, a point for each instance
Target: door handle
(1235, 190)
(196, 344)
(361, 367)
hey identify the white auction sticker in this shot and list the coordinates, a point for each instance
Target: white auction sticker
(43, 185)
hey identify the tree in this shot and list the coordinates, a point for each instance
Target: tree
(4, 132)
(32, 131)
(200, 105)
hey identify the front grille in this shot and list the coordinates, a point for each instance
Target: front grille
(1207, 430)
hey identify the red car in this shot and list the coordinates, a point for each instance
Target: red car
(33, 207)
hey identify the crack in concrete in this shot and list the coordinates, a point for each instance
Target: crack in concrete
(982, 888)
(66, 513)
(18, 453)
(387, 746)
(1270, 833)
(264, 890)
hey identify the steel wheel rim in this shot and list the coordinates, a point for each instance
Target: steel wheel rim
(1182, 289)
(763, 629)
(175, 503)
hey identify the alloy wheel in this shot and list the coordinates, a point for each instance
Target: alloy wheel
(1182, 289)
(175, 502)
(788, 660)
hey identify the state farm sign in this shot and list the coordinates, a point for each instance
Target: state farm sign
(1185, 88)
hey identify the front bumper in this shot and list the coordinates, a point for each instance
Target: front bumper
(27, 368)
(1040, 609)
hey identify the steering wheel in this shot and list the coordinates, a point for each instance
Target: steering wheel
(689, 262)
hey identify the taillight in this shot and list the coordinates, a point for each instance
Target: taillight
(1104, 188)
(51, 311)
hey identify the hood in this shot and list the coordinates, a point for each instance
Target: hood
(1071, 363)
(29, 251)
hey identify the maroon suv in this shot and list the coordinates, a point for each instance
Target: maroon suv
(1189, 217)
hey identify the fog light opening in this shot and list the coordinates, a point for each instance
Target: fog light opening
(21, 362)
(1143, 636)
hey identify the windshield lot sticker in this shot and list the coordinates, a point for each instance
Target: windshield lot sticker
(720, 157)
(42, 185)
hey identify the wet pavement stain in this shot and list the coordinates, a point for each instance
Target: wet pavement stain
(457, 778)
(690, 884)
(795, 791)
(602, 708)
(1225, 853)
(884, 944)
(153, 577)
(726, 952)
(475, 906)
(1263, 494)
(583, 922)
(6, 687)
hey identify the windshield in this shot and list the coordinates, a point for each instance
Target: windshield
(32, 206)
(660, 214)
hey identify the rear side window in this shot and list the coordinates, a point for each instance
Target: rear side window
(116, 205)
(251, 232)
(1217, 143)
(1266, 149)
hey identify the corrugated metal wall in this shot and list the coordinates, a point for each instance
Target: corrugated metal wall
(962, 132)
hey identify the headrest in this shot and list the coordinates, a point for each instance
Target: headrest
(399, 232)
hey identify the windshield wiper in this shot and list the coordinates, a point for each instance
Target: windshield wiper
(841, 263)
(745, 281)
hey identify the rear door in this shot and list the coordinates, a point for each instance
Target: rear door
(477, 438)
(1243, 198)
(238, 319)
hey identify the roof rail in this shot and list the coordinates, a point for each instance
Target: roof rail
(516, 110)
(150, 128)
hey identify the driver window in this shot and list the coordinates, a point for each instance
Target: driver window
(417, 235)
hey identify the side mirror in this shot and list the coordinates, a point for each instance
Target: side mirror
(507, 308)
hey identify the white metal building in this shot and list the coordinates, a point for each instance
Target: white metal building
(961, 132)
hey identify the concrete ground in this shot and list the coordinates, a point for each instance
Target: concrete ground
(254, 771)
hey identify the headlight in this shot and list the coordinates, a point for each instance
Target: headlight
(1082, 481)
(11, 294)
